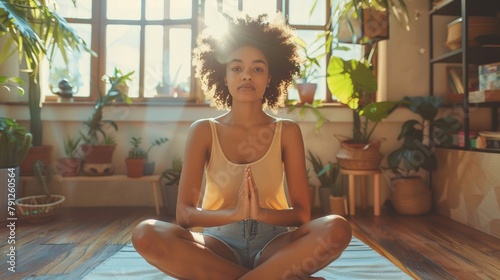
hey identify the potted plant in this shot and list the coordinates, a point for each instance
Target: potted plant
(308, 70)
(149, 166)
(98, 146)
(40, 208)
(136, 158)
(69, 165)
(37, 31)
(119, 81)
(14, 145)
(329, 189)
(169, 180)
(410, 194)
(354, 84)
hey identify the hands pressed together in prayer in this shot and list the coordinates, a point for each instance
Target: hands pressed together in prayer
(248, 205)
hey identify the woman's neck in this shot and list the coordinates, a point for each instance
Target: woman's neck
(246, 116)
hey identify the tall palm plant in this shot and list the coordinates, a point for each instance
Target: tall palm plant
(36, 31)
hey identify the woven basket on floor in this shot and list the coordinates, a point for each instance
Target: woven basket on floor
(411, 196)
(359, 156)
(39, 208)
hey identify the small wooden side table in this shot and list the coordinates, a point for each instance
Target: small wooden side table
(352, 189)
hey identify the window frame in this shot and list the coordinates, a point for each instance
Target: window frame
(98, 24)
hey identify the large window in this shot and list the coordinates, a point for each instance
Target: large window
(154, 38)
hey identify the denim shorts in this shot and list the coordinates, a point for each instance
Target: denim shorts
(247, 239)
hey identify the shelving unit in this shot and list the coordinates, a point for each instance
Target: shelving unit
(466, 56)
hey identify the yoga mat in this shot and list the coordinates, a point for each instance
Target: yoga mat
(358, 261)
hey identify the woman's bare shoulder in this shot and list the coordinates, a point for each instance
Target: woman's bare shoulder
(290, 126)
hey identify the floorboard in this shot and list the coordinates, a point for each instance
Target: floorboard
(427, 246)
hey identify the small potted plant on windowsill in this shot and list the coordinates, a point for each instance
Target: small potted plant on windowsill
(169, 180)
(136, 158)
(309, 71)
(410, 194)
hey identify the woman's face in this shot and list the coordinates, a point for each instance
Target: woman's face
(247, 74)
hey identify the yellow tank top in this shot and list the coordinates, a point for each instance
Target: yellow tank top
(224, 178)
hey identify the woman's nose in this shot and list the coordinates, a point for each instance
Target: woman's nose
(247, 76)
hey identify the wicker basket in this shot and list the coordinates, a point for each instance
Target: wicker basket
(411, 196)
(477, 26)
(39, 208)
(353, 156)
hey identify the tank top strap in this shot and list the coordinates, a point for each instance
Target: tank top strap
(215, 138)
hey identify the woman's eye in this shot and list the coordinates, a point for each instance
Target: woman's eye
(236, 68)
(259, 69)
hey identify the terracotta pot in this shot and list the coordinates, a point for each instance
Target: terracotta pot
(68, 167)
(338, 205)
(42, 153)
(98, 160)
(411, 196)
(306, 92)
(98, 153)
(135, 167)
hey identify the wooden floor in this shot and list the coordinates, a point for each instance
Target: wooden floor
(426, 247)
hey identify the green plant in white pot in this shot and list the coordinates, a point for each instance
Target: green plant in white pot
(410, 193)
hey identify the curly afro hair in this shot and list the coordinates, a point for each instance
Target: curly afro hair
(273, 37)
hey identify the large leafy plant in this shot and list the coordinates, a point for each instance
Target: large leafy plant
(37, 32)
(354, 84)
(420, 137)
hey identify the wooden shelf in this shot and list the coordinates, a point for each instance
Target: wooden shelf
(486, 96)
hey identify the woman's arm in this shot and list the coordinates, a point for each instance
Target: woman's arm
(295, 172)
(197, 153)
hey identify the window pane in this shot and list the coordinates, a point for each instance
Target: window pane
(122, 51)
(299, 13)
(77, 71)
(257, 7)
(309, 37)
(66, 9)
(212, 16)
(180, 9)
(119, 9)
(230, 7)
(155, 9)
(168, 61)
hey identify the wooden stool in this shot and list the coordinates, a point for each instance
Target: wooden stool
(352, 191)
